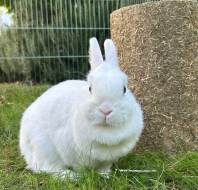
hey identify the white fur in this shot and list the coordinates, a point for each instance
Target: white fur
(65, 128)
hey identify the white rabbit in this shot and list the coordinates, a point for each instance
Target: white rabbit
(83, 123)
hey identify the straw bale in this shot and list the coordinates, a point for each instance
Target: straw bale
(158, 49)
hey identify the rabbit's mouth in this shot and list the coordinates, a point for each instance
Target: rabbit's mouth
(100, 120)
(104, 125)
(106, 122)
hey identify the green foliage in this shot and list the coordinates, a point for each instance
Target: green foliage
(172, 172)
(10, 70)
(58, 40)
(5, 3)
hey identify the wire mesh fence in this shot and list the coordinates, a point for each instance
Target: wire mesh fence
(48, 41)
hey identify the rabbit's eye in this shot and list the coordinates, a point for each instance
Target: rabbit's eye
(124, 90)
(90, 89)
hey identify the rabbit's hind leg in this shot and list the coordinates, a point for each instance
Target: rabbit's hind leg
(44, 157)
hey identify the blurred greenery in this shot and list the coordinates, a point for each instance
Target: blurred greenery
(5, 3)
(49, 28)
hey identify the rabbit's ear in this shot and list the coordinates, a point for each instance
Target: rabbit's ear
(95, 55)
(110, 52)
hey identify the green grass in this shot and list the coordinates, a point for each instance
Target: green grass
(173, 172)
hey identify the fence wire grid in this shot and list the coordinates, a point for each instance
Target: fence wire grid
(48, 41)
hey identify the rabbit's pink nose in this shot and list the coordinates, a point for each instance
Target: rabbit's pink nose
(106, 112)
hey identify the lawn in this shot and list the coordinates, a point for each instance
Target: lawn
(172, 172)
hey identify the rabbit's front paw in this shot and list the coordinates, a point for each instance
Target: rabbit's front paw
(104, 170)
